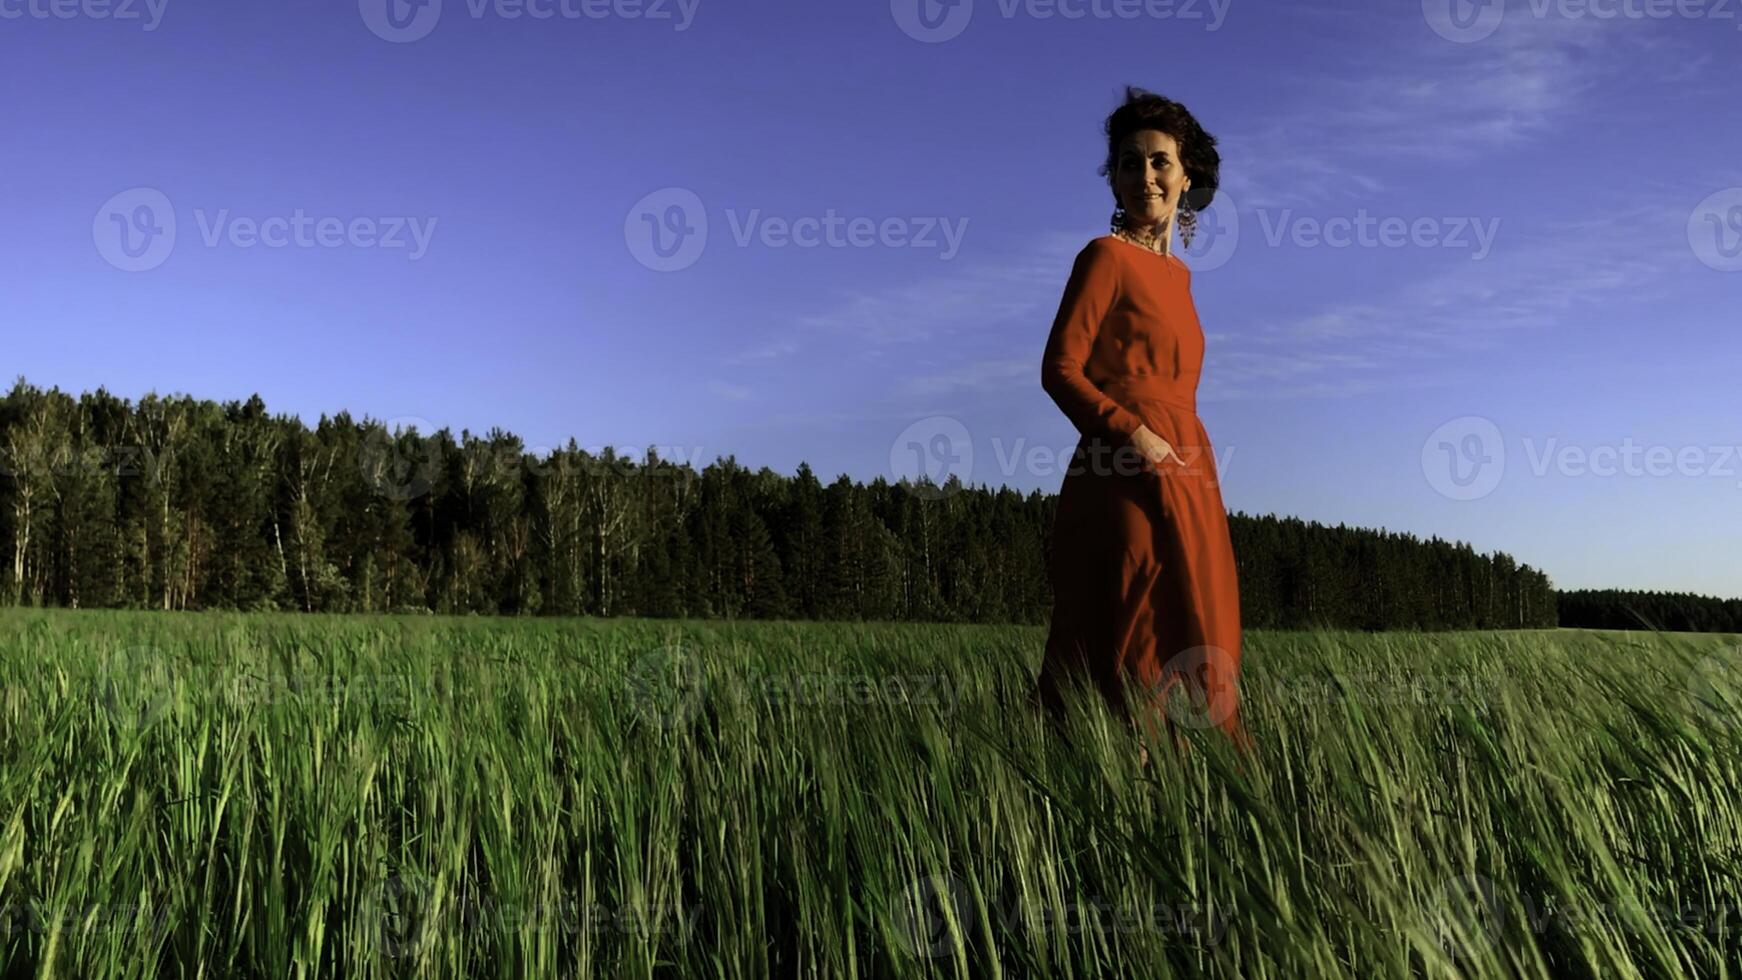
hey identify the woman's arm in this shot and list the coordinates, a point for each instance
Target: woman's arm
(1093, 286)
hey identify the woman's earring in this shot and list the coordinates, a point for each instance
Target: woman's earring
(1188, 221)
(1118, 217)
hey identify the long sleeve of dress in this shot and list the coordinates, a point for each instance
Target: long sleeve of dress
(1090, 293)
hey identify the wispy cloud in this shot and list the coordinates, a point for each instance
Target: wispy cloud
(1412, 95)
(996, 374)
(728, 390)
(1407, 99)
(773, 350)
(965, 295)
(1551, 282)
(1001, 304)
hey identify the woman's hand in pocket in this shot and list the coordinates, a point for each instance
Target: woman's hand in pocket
(1154, 449)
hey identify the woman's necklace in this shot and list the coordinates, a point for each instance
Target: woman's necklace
(1153, 243)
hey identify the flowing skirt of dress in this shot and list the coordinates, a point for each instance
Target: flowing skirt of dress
(1144, 583)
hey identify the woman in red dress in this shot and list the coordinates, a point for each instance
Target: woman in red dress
(1141, 567)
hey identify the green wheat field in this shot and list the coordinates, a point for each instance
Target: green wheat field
(220, 795)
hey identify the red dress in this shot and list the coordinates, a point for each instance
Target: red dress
(1141, 567)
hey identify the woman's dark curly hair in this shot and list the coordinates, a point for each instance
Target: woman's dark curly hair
(1197, 149)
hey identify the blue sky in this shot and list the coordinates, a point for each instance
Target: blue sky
(1475, 270)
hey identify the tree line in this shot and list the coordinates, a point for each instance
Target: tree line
(182, 504)
(1615, 609)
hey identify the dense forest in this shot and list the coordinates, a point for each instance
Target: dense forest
(177, 503)
(1675, 611)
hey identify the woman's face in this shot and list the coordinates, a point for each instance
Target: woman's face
(1148, 178)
